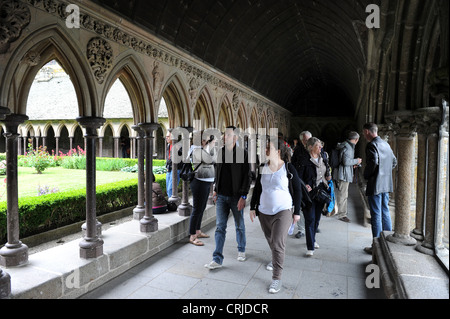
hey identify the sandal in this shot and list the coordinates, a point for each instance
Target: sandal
(203, 235)
(196, 242)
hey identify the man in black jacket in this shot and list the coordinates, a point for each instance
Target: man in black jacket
(380, 161)
(232, 183)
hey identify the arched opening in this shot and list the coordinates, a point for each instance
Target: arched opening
(118, 106)
(108, 142)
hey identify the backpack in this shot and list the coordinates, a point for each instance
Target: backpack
(334, 158)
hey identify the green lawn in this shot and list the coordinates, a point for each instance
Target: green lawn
(63, 179)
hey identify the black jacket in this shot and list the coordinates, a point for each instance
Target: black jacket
(299, 192)
(240, 173)
(307, 171)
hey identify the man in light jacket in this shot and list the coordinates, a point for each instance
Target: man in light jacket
(378, 173)
(343, 175)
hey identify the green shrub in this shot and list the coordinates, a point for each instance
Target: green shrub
(46, 212)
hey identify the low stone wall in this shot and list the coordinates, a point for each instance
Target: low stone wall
(59, 272)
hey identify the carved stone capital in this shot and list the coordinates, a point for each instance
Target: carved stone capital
(403, 123)
(428, 120)
(91, 124)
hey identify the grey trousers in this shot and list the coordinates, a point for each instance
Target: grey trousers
(341, 194)
(276, 228)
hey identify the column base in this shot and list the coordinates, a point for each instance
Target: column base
(185, 210)
(425, 249)
(417, 235)
(176, 200)
(138, 212)
(5, 285)
(13, 256)
(401, 239)
(91, 248)
(148, 225)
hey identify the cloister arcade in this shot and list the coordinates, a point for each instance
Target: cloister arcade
(282, 74)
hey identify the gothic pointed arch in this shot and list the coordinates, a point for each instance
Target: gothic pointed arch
(242, 118)
(137, 84)
(38, 48)
(177, 101)
(204, 111)
(225, 116)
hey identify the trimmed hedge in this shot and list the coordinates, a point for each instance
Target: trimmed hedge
(38, 214)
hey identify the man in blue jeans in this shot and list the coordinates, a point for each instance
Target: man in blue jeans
(380, 161)
(232, 183)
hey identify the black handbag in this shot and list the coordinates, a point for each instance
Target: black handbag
(187, 173)
(320, 194)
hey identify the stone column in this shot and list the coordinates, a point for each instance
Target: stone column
(174, 197)
(19, 146)
(5, 278)
(405, 133)
(91, 246)
(430, 118)
(442, 185)
(57, 145)
(14, 253)
(139, 210)
(116, 147)
(427, 246)
(148, 223)
(417, 232)
(185, 208)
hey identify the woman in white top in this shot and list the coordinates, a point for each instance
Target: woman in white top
(272, 202)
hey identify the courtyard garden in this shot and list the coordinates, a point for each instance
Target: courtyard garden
(52, 188)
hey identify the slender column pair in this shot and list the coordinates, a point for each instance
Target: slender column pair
(428, 172)
(91, 246)
(5, 278)
(148, 223)
(14, 253)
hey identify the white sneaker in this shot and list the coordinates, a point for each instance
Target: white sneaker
(275, 286)
(213, 265)
(241, 256)
(309, 253)
(269, 266)
(316, 245)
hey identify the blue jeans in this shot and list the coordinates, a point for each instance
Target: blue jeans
(169, 182)
(223, 206)
(312, 220)
(379, 213)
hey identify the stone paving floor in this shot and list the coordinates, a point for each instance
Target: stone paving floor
(336, 271)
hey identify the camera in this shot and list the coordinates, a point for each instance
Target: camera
(211, 138)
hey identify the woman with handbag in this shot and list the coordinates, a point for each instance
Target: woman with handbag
(203, 157)
(315, 173)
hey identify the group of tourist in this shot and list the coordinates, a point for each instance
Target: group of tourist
(286, 192)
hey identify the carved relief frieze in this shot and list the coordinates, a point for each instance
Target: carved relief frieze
(14, 17)
(100, 57)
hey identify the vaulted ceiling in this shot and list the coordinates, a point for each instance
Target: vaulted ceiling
(306, 55)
